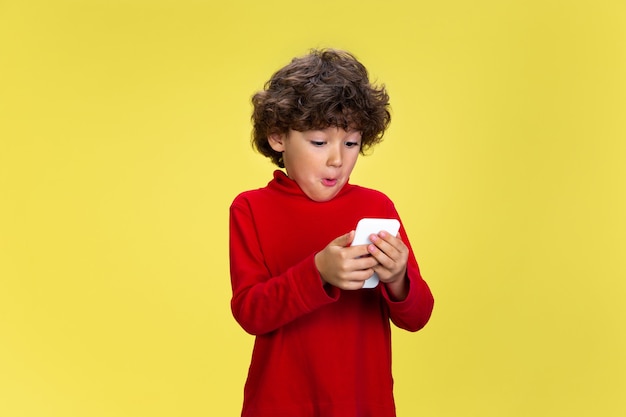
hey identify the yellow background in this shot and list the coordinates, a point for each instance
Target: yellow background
(124, 136)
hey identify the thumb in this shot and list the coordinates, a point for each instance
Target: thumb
(343, 240)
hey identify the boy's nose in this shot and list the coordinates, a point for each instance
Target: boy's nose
(334, 158)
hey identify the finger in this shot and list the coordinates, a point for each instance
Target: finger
(358, 251)
(361, 275)
(353, 285)
(394, 241)
(343, 240)
(389, 244)
(382, 259)
(354, 280)
(387, 255)
(380, 245)
(364, 263)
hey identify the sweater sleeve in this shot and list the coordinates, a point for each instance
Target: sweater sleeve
(415, 310)
(262, 303)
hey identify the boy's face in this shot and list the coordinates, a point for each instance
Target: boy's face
(319, 161)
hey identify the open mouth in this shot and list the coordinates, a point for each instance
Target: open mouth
(329, 182)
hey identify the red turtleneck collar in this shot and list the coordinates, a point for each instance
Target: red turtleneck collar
(283, 183)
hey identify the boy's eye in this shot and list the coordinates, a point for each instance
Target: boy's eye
(352, 144)
(318, 143)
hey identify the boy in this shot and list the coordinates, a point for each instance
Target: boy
(323, 343)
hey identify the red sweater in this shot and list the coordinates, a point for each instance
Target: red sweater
(319, 351)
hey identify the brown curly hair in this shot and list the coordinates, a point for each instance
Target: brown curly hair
(325, 88)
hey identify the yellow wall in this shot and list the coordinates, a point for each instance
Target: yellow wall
(124, 129)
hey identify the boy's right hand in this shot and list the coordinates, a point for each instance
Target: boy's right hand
(343, 266)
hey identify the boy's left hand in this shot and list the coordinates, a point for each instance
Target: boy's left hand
(392, 256)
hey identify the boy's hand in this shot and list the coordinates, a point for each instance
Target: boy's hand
(392, 256)
(343, 266)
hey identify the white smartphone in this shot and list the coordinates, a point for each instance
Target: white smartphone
(365, 228)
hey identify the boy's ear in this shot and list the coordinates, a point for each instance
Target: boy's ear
(277, 141)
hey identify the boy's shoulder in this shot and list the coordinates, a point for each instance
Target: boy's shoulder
(261, 193)
(369, 193)
(250, 195)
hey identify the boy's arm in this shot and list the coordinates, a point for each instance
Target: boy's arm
(412, 311)
(262, 303)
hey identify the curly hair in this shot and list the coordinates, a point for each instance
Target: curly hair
(325, 88)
